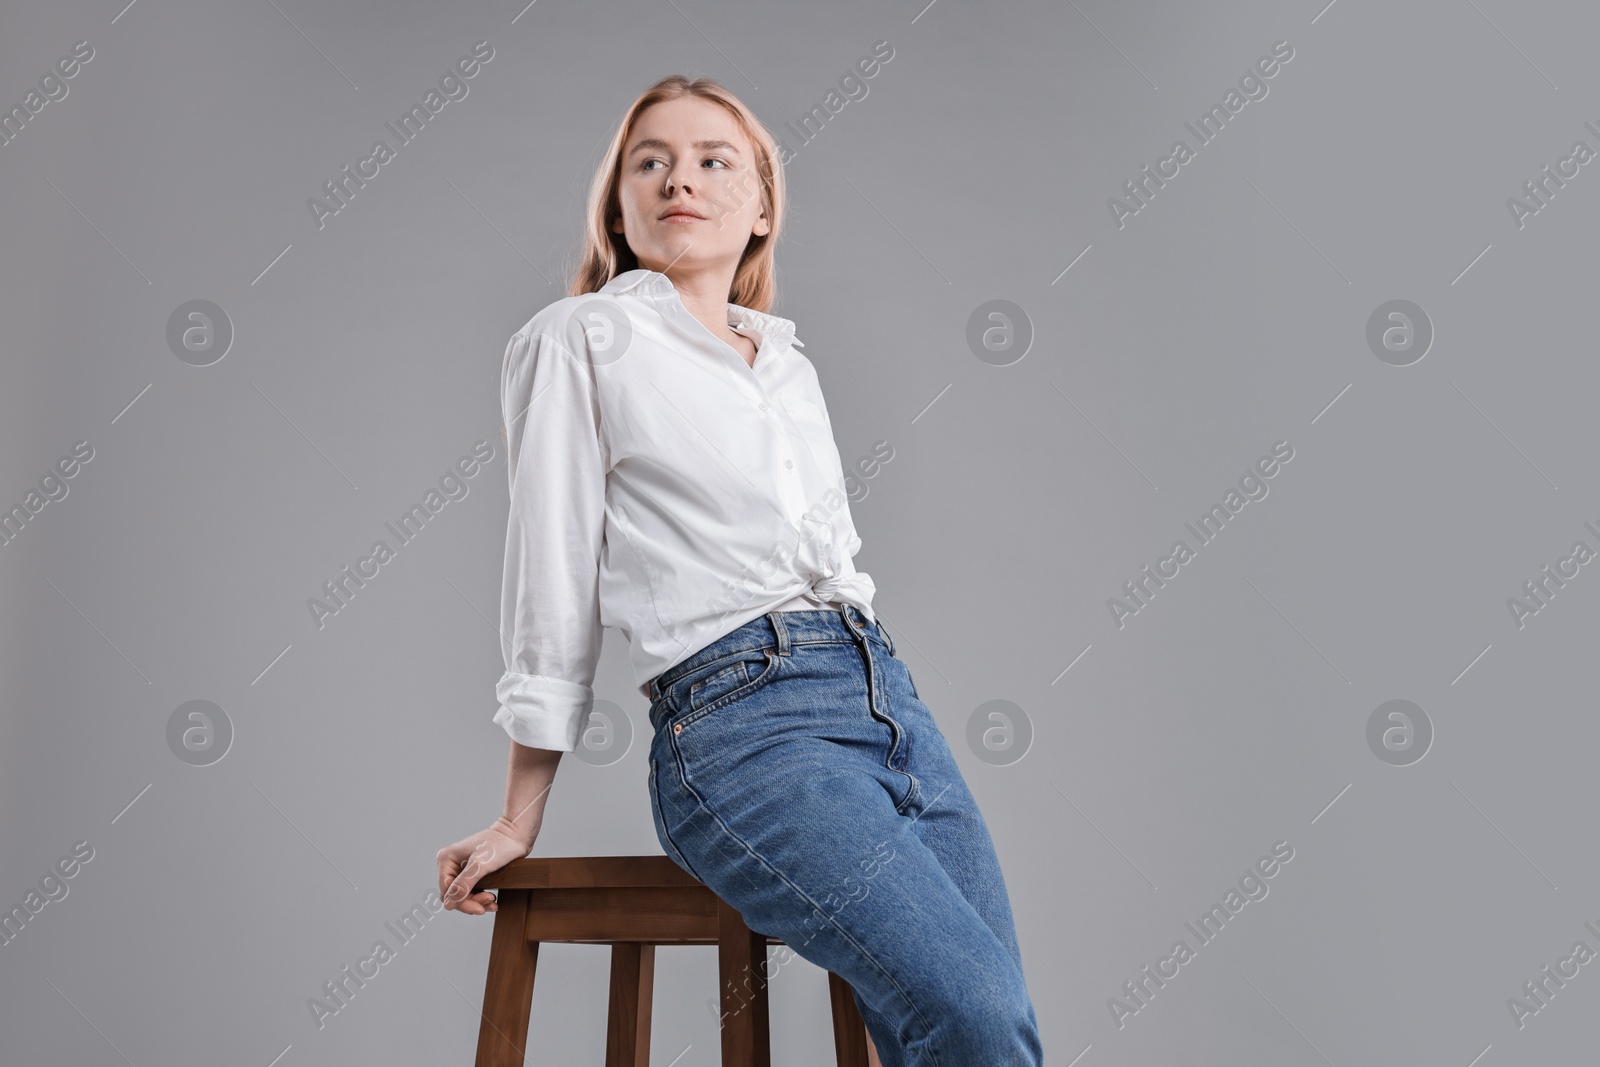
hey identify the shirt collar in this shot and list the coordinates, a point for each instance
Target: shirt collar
(657, 288)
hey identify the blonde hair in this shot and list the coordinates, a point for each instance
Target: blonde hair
(606, 254)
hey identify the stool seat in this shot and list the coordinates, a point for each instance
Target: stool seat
(634, 903)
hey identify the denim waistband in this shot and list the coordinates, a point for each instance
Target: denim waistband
(775, 629)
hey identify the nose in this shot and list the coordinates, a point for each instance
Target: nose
(672, 182)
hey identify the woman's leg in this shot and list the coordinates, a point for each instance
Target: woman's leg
(945, 814)
(781, 784)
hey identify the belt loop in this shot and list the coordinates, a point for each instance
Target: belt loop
(779, 631)
(848, 613)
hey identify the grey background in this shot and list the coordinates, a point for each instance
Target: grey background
(1229, 314)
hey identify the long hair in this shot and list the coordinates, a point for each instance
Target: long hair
(606, 254)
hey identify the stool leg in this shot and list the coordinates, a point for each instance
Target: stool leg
(852, 1047)
(508, 990)
(742, 968)
(633, 971)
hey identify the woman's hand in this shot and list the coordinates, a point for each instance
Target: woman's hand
(464, 863)
(529, 774)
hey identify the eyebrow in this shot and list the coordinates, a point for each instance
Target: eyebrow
(656, 142)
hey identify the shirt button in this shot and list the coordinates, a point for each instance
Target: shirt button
(789, 463)
(764, 407)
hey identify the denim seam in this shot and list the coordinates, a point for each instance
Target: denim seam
(817, 908)
(664, 685)
(911, 794)
(741, 664)
(760, 681)
(677, 853)
(702, 806)
(900, 736)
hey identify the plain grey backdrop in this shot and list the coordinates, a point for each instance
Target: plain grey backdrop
(1143, 762)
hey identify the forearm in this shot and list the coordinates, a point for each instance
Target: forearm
(529, 774)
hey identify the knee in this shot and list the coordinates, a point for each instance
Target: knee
(1003, 1027)
(982, 1021)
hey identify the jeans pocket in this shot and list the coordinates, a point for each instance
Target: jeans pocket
(721, 683)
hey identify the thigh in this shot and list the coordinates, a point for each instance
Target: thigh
(946, 815)
(782, 801)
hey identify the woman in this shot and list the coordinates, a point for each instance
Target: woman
(673, 474)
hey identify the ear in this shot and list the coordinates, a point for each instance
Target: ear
(762, 227)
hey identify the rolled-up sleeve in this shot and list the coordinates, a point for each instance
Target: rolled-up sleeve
(556, 466)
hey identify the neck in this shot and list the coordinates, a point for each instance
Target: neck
(704, 293)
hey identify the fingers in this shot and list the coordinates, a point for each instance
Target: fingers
(449, 867)
(461, 865)
(460, 897)
(458, 893)
(482, 903)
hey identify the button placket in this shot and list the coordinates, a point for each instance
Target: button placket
(783, 437)
(791, 489)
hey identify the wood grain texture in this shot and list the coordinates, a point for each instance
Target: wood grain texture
(633, 904)
(742, 971)
(633, 975)
(508, 989)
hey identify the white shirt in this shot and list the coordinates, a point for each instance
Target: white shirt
(660, 485)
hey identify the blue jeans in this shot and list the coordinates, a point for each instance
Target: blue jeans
(795, 772)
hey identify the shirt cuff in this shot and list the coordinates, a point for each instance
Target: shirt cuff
(542, 712)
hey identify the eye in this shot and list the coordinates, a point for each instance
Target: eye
(714, 159)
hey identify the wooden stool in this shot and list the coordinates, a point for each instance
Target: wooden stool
(633, 904)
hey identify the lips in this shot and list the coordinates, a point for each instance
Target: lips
(683, 213)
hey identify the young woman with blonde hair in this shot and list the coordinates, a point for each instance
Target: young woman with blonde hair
(673, 474)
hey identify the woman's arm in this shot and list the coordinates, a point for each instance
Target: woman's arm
(529, 774)
(556, 465)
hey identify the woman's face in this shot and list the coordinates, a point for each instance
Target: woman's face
(699, 149)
